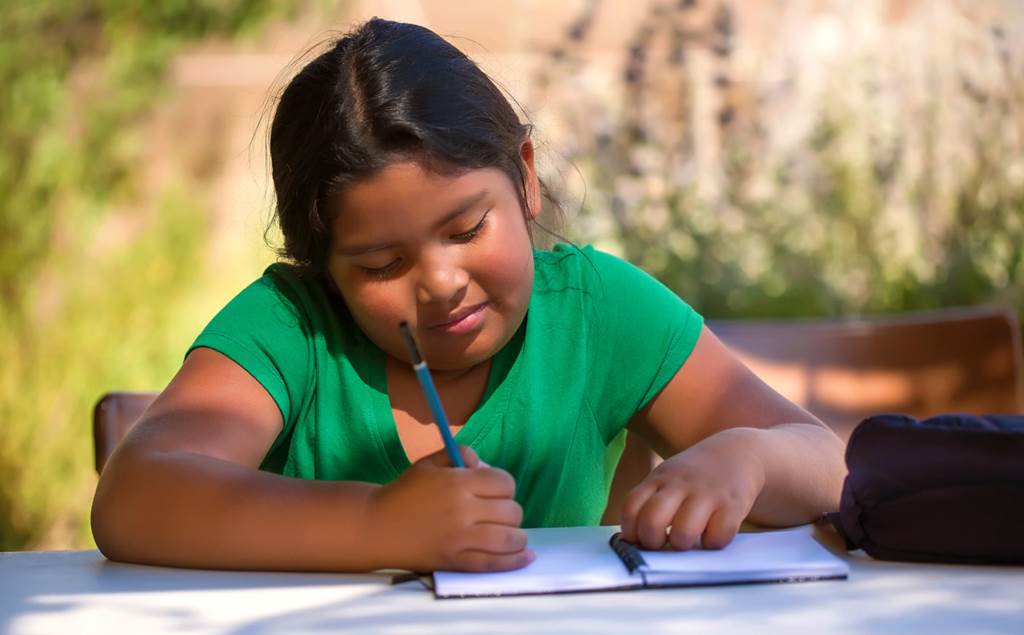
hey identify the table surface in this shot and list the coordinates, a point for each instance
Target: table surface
(81, 592)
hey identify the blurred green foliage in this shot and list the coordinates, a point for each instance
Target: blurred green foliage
(830, 251)
(79, 317)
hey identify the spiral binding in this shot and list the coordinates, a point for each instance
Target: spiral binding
(628, 553)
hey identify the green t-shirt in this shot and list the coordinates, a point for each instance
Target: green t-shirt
(600, 339)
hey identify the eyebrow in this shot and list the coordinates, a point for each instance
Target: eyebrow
(461, 208)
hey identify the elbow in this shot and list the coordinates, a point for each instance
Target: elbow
(106, 521)
(116, 514)
(103, 531)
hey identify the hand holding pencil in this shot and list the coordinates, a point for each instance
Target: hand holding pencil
(434, 517)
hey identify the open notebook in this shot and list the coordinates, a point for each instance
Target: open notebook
(571, 559)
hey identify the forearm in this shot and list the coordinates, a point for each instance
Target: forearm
(189, 510)
(803, 472)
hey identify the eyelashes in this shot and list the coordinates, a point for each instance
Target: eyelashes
(382, 272)
(463, 238)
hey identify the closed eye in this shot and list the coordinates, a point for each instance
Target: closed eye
(382, 272)
(467, 236)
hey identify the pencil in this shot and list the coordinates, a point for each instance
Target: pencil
(433, 399)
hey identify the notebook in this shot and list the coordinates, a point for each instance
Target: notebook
(575, 559)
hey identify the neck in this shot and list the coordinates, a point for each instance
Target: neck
(443, 376)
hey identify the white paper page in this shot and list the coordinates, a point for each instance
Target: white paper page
(770, 555)
(568, 559)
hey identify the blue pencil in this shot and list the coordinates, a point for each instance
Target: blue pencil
(433, 399)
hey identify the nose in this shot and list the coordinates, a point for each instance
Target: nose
(442, 278)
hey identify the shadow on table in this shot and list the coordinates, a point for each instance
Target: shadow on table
(894, 605)
(879, 597)
(60, 577)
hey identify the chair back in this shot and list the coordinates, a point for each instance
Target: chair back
(115, 413)
(921, 364)
(842, 370)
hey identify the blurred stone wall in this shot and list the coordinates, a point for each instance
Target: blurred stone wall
(708, 69)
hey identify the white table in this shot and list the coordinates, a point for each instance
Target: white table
(80, 592)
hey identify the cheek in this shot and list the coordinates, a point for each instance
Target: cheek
(373, 305)
(508, 273)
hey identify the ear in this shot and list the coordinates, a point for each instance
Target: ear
(532, 183)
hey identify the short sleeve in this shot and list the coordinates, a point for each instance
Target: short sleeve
(264, 330)
(641, 334)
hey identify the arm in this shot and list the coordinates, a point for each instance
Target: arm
(735, 449)
(183, 489)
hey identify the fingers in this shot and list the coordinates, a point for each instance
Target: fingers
(655, 517)
(490, 547)
(495, 548)
(500, 512)
(496, 539)
(469, 457)
(480, 561)
(722, 528)
(631, 507)
(689, 522)
(491, 482)
(440, 458)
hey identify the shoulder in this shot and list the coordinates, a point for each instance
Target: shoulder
(629, 332)
(285, 284)
(566, 265)
(596, 273)
(610, 295)
(273, 329)
(283, 296)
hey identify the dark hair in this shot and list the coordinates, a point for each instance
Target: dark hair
(386, 91)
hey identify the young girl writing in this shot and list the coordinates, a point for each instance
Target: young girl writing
(295, 435)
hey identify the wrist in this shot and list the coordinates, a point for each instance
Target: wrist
(392, 535)
(357, 529)
(376, 528)
(743, 448)
(795, 464)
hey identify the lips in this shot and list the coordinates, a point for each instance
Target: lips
(460, 316)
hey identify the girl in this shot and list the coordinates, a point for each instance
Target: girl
(295, 435)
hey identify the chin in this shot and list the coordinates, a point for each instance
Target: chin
(461, 356)
(455, 361)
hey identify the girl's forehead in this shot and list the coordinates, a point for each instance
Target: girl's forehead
(409, 184)
(410, 192)
(401, 176)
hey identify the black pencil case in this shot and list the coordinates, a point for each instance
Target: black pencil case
(946, 489)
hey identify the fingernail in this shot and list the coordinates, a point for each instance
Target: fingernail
(531, 555)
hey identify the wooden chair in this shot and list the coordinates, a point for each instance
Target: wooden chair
(921, 364)
(115, 413)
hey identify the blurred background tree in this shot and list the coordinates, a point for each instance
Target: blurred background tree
(78, 79)
(762, 157)
(785, 159)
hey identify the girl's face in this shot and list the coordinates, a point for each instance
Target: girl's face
(450, 255)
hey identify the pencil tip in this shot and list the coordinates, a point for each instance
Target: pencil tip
(410, 342)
